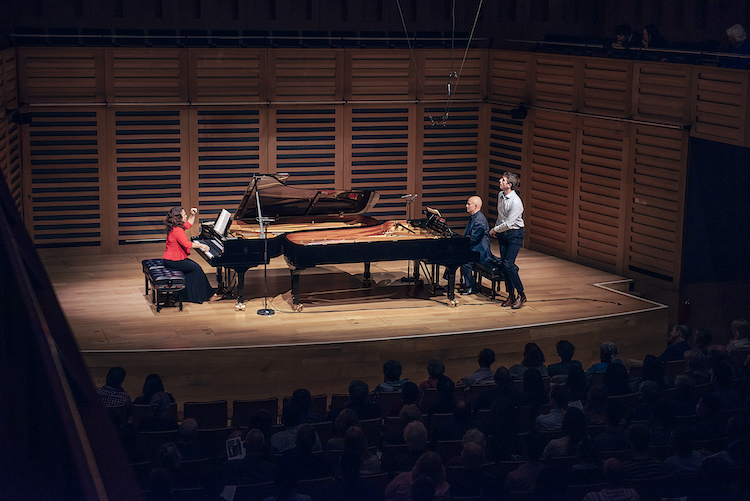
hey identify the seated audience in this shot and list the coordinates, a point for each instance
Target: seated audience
(158, 420)
(577, 387)
(532, 358)
(588, 471)
(616, 380)
(407, 414)
(435, 369)
(684, 401)
(502, 430)
(484, 373)
(722, 380)
(254, 468)
(574, 432)
(415, 436)
(471, 480)
(642, 465)
(504, 388)
(161, 478)
(558, 402)
(652, 39)
(737, 451)
(346, 419)
(623, 37)
(187, 443)
(649, 397)
(614, 475)
(391, 377)
(301, 458)
(607, 355)
(444, 405)
(429, 465)
(663, 424)
(595, 406)
(653, 370)
(455, 427)
(534, 395)
(702, 340)
(287, 439)
(614, 437)
(525, 476)
(740, 334)
(565, 351)
(355, 443)
(285, 485)
(302, 399)
(709, 424)
(677, 344)
(472, 436)
(737, 44)
(358, 392)
(410, 396)
(112, 394)
(151, 386)
(686, 459)
(697, 367)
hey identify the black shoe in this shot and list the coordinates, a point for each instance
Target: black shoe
(467, 292)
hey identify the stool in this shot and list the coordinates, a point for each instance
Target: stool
(164, 282)
(490, 270)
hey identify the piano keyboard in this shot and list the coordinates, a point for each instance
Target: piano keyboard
(216, 248)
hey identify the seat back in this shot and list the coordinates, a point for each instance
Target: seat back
(324, 429)
(316, 488)
(387, 400)
(372, 430)
(192, 473)
(674, 368)
(429, 397)
(148, 442)
(141, 411)
(319, 404)
(448, 448)
(243, 410)
(214, 440)
(253, 492)
(338, 401)
(207, 414)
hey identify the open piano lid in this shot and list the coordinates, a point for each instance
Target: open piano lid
(278, 200)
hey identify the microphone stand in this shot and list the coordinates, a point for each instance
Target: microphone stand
(265, 311)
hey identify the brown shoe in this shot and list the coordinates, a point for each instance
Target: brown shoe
(509, 302)
(519, 301)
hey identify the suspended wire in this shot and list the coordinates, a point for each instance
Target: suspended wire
(420, 85)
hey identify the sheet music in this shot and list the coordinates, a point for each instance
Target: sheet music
(222, 222)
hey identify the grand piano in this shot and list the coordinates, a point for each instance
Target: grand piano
(312, 228)
(241, 245)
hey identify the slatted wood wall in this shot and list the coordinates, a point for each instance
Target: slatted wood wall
(121, 134)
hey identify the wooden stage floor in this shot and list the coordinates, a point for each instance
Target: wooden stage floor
(210, 351)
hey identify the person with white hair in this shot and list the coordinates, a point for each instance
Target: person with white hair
(738, 45)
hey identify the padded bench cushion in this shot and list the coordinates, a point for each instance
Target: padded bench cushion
(489, 269)
(161, 278)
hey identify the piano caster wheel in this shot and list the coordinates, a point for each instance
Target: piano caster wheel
(298, 308)
(240, 307)
(453, 303)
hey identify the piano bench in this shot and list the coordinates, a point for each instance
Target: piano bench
(164, 282)
(490, 270)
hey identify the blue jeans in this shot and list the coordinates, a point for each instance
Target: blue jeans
(511, 242)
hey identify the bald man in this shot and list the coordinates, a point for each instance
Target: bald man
(478, 231)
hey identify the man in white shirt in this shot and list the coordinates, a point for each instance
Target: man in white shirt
(509, 230)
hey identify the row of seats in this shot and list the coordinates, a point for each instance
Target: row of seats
(234, 38)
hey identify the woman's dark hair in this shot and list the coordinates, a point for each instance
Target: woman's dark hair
(576, 385)
(616, 379)
(574, 427)
(173, 219)
(565, 349)
(152, 386)
(533, 388)
(532, 355)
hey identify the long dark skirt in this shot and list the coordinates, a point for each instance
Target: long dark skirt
(197, 289)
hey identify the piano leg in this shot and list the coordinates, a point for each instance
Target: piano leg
(368, 276)
(295, 290)
(451, 271)
(240, 289)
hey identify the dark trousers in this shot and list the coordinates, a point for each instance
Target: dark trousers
(511, 242)
(197, 288)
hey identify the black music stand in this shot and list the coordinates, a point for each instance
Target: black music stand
(265, 311)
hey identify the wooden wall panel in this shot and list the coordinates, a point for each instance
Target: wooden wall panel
(10, 161)
(448, 172)
(661, 92)
(556, 81)
(606, 88)
(306, 144)
(379, 157)
(225, 153)
(53, 74)
(600, 195)
(153, 75)
(506, 150)
(149, 161)
(9, 81)
(64, 182)
(720, 106)
(310, 75)
(227, 75)
(377, 75)
(508, 73)
(437, 66)
(656, 202)
(549, 200)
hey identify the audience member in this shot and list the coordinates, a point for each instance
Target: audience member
(740, 332)
(262, 421)
(577, 387)
(472, 436)
(607, 354)
(410, 396)
(737, 451)
(302, 399)
(287, 439)
(471, 480)
(652, 39)
(574, 432)
(697, 367)
(429, 465)
(588, 471)
(355, 442)
(686, 459)
(653, 370)
(444, 405)
(151, 386)
(423, 489)
(722, 380)
(435, 369)
(616, 380)
(502, 431)
(346, 419)
(187, 443)
(484, 373)
(524, 477)
(649, 397)
(391, 377)
(717, 353)
(504, 388)
(623, 37)
(158, 420)
(416, 438)
(677, 344)
(684, 401)
(702, 340)
(614, 475)
(709, 424)
(532, 358)
(358, 392)
(614, 437)
(738, 44)
(458, 424)
(161, 478)
(285, 485)
(301, 459)
(534, 394)
(558, 402)
(254, 468)
(112, 394)
(407, 414)
(565, 350)
(642, 465)
(595, 406)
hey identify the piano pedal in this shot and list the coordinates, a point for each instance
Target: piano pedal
(453, 303)
(240, 307)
